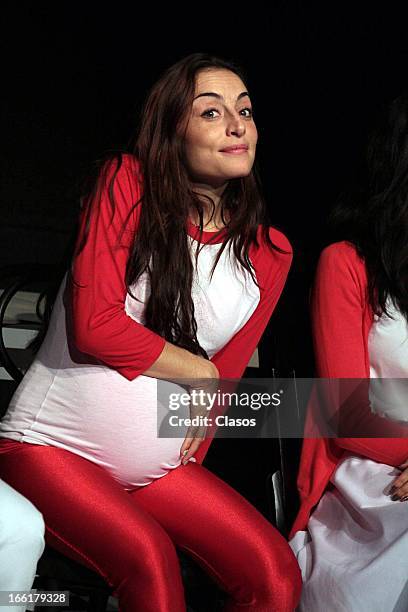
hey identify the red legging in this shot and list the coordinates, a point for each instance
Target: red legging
(129, 537)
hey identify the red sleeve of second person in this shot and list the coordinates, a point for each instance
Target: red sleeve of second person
(341, 345)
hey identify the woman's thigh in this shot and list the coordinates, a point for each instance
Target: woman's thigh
(90, 517)
(234, 542)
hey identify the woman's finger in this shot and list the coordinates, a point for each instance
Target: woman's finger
(403, 491)
(187, 449)
(400, 494)
(400, 481)
(193, 447)
(185, 446)
(191, 452)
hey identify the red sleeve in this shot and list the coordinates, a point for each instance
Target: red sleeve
(271, 270)
(391, 451)
(338, 303)
(341, 347)
(100, 324)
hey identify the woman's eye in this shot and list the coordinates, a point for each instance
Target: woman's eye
(207, 113)
(246, 112)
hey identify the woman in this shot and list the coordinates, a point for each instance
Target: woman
(353, 549)
(142, 304)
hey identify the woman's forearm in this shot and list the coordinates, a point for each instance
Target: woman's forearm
(178, 363)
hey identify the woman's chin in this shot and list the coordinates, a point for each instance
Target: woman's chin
(240, 173)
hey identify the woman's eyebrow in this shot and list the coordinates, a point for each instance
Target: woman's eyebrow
(216, 95)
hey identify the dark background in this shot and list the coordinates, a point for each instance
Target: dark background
(74, 77)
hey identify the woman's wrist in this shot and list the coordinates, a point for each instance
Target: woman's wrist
(206, 369)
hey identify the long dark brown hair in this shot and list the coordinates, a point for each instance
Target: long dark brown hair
(373, 215)
(160, 247)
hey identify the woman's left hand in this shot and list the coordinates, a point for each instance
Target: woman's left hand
(399, 489)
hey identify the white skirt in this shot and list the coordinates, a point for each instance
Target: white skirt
(354, 555)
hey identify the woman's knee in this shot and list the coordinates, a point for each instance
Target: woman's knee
(147, 571)
(275, 580)
(153, 555)
(139, 547)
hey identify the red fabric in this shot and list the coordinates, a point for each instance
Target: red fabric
(100, 326)
(129, 538)
(341, 321)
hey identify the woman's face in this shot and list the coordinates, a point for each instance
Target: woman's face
(221, 136)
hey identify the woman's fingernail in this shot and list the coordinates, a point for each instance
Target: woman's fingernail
(193, 459)
(395, 498)
(405, 498)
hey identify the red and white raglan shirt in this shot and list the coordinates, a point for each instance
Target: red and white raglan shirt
(350, 538)
(85, 391)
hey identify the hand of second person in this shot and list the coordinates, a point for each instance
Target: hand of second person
(399, 489)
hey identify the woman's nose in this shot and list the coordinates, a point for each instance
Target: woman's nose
(236, 126)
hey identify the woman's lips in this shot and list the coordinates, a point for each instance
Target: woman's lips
(235, 151)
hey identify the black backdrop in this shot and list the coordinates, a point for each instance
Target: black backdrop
(74, 76)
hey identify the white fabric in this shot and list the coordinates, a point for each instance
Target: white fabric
(21, 543)
(388, 349)
(388, 345)
(95, 412)
(354, 554)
